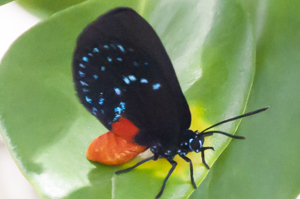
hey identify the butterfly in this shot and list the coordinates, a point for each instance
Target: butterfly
(125, 78)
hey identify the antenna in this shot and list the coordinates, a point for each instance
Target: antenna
(237, 117)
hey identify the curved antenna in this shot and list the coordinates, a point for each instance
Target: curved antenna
(210, 133)
(236, 118)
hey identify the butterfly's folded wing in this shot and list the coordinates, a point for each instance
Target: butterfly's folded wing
(121, 70)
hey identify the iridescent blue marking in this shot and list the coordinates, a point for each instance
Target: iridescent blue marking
(90, 54)
(146, 63)
(103, 68)
(101, 100)
(95, 111)
(95, 76)
(102, 111)
(109, 59)
(122, 104)
(85, 90)
(118, 110)
(144, 81)
(116, 117)
(96, 50)
(86, 59)
(190, 142)
(113, 45)
(156, 86)
(83, 83)
(117, 91)
(132, 77)
(87, 99)
(126, 80)
(81, 74)
(81, 65)
(200, 143)
(106, 46)
(135, 63)
(119, 59)
(121, 48)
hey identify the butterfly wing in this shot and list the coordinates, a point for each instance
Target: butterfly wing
(121, 70)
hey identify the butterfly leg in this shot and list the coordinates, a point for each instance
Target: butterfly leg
(191, 170)
(202, 155)
(134, 166)
(174, 164)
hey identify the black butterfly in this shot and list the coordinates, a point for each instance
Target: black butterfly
(121, 70)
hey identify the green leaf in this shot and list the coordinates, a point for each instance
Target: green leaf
(2, 2)
(48, 131)
(46, 8)
(266, 165)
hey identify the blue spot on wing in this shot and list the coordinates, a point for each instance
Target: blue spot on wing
(87, 99)
(94, 111)
(117, 91)
(156, 86)
(81, 74)
(121, 48)
(143, 80)
(85, 59)
(126, 80)
(132, 77)
(135, 63)
(83, 83)
(101, 100)
(96, 50)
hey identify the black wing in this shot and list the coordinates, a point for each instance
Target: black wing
(121, 69)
